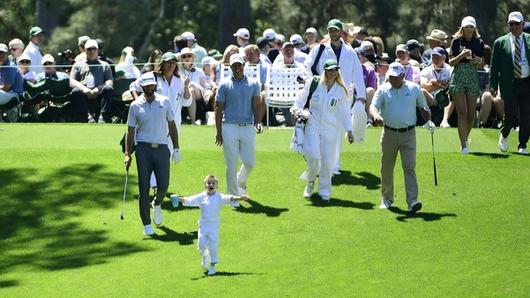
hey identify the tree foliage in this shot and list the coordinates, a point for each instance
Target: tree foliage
(149, 24)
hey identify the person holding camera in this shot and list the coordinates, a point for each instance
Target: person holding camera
(329, 110)
(237, 111)
(150, 121)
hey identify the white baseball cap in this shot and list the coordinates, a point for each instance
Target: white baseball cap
(188, 36)
(24, 57)
(236, 58)
(469, 21)
(312, 31)
(243, 33)
(91, 43)
(4, 48)
(48, 58)
(269, 34)
(395, 69)
(280, 37)
(515, 16)
(147, 78)
(208, 61)
(296, 39)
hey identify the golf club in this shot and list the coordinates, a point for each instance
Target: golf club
(124, 194)
(434, 160)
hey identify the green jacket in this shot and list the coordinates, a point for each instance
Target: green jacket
(501, 72)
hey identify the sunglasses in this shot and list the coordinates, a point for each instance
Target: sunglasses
(186, 56)
(14, 49)
(47, 64)
(24, 62)
(514, 24)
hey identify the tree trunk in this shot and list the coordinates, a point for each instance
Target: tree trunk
(47, 15)
(142, 52)
(233, 14)
(485, 12)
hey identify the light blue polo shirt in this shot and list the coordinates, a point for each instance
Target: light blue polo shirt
(237, 98)
(398, 105)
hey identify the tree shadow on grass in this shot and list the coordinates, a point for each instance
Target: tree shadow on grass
(256, 208)
(316, 201)
(426, 216)
(39, 219)
(490, 155)
(368, 180)
(224, 273)
(8, 283)
(185, 238)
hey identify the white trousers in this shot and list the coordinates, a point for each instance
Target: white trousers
(209, 241)
(320, 151)
(238, 142)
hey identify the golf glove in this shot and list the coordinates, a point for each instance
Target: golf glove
(430, 126)
(175, 158)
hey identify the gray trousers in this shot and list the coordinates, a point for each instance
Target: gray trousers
(149, 160)
(393, 142)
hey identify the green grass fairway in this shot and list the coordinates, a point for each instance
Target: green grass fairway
(61, 233)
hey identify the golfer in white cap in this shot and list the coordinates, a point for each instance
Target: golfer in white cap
(151, 118)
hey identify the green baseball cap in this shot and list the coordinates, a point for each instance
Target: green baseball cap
(215, 54)
(168, 56)
(35, 30)
(331, 64)
(337, 24)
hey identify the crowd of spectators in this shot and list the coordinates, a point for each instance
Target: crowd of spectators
(92, 74)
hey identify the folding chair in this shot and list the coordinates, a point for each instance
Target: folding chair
(282, 88)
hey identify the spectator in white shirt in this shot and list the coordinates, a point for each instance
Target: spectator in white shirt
(33, 51)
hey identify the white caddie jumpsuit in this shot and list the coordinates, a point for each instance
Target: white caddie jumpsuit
(209, 222)
(329, 111)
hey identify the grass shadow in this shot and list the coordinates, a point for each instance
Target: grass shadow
(316, 201)
(366, 179)
(426, 216)
(256, 208)
(224, 273)
(8, 283)
(490, 155)
(186, 238)
(41, 225)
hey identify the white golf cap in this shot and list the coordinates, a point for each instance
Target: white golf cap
(395, 69)
(147, 78)
(91, 43)
(4, 48)
(48, 58)
(188, 36)
(469, 21)
(236, 58)
(296, 39)
(243, 33)
(515, 16)
(208, 61)
(24, 57)
(280, 37)
(312, 31)
(269, 34)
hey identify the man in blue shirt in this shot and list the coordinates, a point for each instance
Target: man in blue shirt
(11, 81)
(237, 114)
(394, 105)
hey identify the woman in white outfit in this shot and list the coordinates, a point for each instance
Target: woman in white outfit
(329, 110)
(171, 86)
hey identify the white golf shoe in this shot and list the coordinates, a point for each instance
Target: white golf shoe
(211, 271)
(157, 213)
(385, 204)
(464, 151)
(324, 198)
(523, 151)
(503, 143)
(308, 190)
(444, 124)
(148, 230)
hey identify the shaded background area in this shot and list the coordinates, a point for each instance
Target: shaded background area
(146, 24)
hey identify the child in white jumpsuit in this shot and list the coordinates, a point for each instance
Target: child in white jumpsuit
(329, 107)
(210, 202)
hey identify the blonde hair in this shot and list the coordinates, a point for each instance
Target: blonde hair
(211, 176)
(338, 80)
(226, 56)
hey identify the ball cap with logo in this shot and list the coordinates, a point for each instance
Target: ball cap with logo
(147, 79)
(515, 17)
(236, 58)
(331, 64)
(395, 69)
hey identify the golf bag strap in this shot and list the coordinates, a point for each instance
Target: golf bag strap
(317, 59)
(312, 88)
